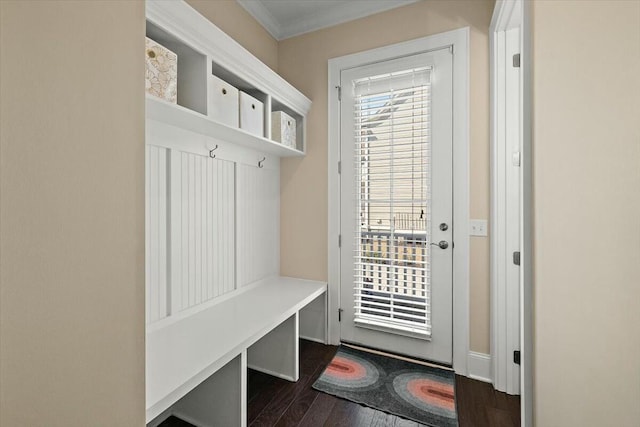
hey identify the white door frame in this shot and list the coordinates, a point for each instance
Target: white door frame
(459, 41)
(509, 15)
(526, 270)
(506, 153)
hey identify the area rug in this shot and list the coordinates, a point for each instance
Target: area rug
(420, 393)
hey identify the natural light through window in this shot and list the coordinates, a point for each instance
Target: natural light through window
(392, 143)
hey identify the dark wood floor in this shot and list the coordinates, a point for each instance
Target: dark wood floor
(276, 402)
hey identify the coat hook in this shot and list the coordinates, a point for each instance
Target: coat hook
(260, 163)
(213, 156)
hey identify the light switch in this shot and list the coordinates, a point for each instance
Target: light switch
(478, 227)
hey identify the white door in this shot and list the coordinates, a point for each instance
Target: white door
(396, 206)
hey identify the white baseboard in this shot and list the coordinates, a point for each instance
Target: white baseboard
(479, 366)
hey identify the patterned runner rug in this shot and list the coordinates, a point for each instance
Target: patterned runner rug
(420, 393)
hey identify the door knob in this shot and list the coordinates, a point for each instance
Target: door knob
(442, 244)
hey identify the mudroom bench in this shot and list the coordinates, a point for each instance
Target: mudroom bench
(215, 301)
(197, 365)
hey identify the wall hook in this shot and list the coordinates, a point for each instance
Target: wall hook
(213, 156)
(260, 163)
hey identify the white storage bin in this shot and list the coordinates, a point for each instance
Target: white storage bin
(283, 128)
(251, 114)
(222, 102)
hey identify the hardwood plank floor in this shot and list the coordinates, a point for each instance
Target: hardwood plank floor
(277, 402)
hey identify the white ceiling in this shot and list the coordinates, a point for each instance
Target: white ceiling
(288, 18)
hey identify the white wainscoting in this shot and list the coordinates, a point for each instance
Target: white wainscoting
(258, 232)
(156, 233)
(213, 224)
(202, 229)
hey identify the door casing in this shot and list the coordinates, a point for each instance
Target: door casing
(506, 180)
(509, 15)
(458, 40)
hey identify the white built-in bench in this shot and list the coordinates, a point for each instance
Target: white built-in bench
(196, 365)
(213, 228)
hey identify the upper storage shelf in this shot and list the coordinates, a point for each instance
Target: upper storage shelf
(176, 115)
(207, 58)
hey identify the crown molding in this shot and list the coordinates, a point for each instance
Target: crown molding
(263, 16)
(336, 14)
(347, 11)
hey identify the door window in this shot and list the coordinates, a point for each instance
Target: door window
(392, 173)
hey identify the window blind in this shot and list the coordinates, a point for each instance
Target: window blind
(392, 152)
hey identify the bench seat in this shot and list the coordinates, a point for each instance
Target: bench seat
(183, 353)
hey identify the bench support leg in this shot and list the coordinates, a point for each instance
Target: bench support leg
(277, 352)
(220, 400)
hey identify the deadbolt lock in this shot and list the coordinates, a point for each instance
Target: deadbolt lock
(444, 226)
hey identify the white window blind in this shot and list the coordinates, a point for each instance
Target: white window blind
(392, 143)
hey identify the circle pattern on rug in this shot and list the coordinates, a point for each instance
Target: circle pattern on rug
(351, 372)
(426, 392)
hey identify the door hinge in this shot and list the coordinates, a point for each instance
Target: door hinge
(516, 60)
(340, 315)
(339, 240)
(516, 258)
(516, 357)
(339, 92)
(339, 167)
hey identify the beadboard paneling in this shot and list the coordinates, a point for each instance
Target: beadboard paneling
(203, 229)
(219, 221)
(156, 233)
(258, 219)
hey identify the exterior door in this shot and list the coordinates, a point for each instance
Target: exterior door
(396, 206)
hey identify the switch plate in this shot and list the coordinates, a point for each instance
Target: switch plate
(478, 227)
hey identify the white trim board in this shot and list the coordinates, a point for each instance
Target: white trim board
(506, 193)
(526, 278)
(479, 365)
(459, 40)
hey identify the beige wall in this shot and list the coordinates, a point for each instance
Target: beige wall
(231, 18)
(72, 213)
(586, 142)
(303, 60)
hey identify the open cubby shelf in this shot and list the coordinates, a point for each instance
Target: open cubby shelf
(184, 118)
(203, 50)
